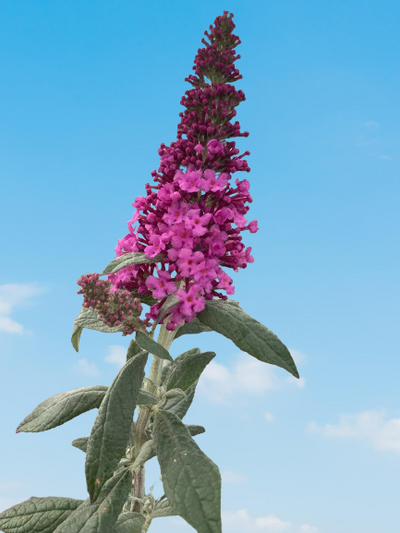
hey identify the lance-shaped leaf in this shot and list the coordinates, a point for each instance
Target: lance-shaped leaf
(128, 259)
(147, 452)
(178, 402)
(146, 398)
(129, 523)
(112, 427)
(81, 443)
(150, 345)
(89, 319)
(187, 369)
(163, 508)
(100, 516)
(192, 328)
(192, 482)
(185, 354)
(76, 337)
(248, 334)
(167, 368)
(133, 349)
(62, 407)
(38, 515)
(195, 430)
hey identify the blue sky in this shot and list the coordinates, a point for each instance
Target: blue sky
(89, 91)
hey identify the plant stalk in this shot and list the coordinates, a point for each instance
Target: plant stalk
(151, 385)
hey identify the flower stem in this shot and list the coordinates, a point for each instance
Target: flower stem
(151, 385)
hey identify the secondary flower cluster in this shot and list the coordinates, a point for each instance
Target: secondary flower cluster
(194, 216)
(115, 308)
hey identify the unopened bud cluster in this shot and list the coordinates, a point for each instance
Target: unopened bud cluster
(116, 308)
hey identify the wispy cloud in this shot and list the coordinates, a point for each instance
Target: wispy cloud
(248, 376)
(269, 417)
(385, 157)
(306, 528)
(84, 367)
(366, 143)
(374, 426)
(232, 478)
(241, 522)
(116, 355)
(14, 295)
(371, 124)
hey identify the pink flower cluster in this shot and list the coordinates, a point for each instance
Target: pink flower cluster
(194, 215)
(115, 308)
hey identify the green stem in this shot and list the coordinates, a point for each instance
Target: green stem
(151, 385)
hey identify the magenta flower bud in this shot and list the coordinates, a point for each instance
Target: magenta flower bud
(199, 148)
(253, 227)
(215, 147)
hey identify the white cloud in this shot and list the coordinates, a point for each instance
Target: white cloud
(385, 157)
(116, 355)
(232, 478)
(371, 124)
(8, 325)
(373, 426)
(247, 376)
(84, 367)
(306, 528)
(15, 295)
(269, 417)
(241, 522)
(366, 143)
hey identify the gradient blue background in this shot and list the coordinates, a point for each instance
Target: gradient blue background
(88, 92)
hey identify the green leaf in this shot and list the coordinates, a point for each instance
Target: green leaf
(195, 430)
(76, 337)
(100, 516)
(81, 443)
(38, 515)
(248, 334)
(89, 319)
(178, 402)
(192, 351)
(150, 345)
(169, 366)
(192, 482)
(147, 452)
(187, 369)
(62, 407)
(170, 302)
(146, 398)
(163, 508)
(112, 427)
(133, 349)
(128, 259)
(191, 328)
(144, 298)
(129, 523)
